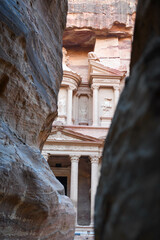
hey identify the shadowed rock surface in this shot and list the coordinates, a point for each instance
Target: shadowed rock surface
(32, 201)
(128, 195)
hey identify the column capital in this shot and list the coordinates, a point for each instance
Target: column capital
(71, 87)
(94, 159)
(116, 87)
(77, 94)
(95, 87)
(74, 158)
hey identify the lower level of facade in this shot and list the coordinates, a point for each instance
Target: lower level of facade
(75, 160)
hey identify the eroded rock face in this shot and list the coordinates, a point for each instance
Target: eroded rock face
(128, 196)
(99, 18)
(32, 201)
(103, 26)
(101, 14)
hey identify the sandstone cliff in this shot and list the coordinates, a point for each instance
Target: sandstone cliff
(105, 18)
(32, 201)
(128, 196)
(101, 14)
(102, 26)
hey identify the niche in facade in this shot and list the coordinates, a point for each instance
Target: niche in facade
(83, 110)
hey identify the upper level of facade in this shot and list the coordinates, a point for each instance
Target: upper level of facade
(90, 103)
(96, 55)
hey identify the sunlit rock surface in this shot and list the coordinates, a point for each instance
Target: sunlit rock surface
(128, 196)
(101, 18)
(103, 26)
(32, 201)
(101, 14)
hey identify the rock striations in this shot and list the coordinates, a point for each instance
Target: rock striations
(102, 26)
(101, 14)
(32, 201)
(128, 196)
(101, 18)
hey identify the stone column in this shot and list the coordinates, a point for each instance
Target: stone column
(90, 114)
(76, 110)
(95, 105)
(70, 103)
(116, 94)
(74, 181)
(94, 182)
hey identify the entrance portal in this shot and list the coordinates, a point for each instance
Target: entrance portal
(84, 192)
(61, 167)
(63, 181)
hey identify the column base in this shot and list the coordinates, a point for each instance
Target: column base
(84, 232)
(94, 125)
(91, 224)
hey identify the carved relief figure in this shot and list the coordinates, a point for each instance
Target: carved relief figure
(106, 106)
(61, 106)
(83, 113)
(92, 55)
(83, 109)
(65, 57)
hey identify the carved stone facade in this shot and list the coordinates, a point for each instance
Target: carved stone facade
(90, 104)
(74, 147)
(95, 64)
(75, 160)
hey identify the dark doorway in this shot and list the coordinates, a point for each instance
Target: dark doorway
(84, 186)
(63, 180)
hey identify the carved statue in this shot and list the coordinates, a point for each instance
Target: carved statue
(61, 106)
(83, 113)
(92, 55)
(83, 109)
(107, 106)
(65, 57)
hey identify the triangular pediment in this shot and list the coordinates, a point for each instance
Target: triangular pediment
(65, 135)
(98, 68)
(61, 136)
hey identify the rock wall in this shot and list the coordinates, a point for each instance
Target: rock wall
(102, 26)
(101, 14)
(128, 196)
(95, 18)
(32, 201)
